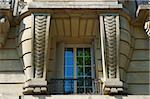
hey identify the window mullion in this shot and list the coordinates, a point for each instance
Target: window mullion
(84, 68)
(75, 72)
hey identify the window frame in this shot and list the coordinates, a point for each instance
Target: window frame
(93, 70)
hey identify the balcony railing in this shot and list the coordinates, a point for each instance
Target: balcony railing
(75, 86)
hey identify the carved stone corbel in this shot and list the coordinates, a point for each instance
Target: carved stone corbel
(4, 28)
(34, 42)
(147, 28)
(109, 31)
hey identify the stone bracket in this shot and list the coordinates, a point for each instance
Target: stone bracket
(36, 73)
(110, 35)
(113, 86)
(36, 86)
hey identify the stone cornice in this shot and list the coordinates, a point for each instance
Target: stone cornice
(89, 5)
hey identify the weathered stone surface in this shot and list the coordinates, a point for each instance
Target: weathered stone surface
(8, 96)
(124, 23)
(139, 33)
(124, 48)
(79, 4)
(125, 36)
(11, 89)
(142, 44)
(132, 88)
(12, 77)
(139, 66)
(73, 26)
(138, 78)
(9, 54)
(10, 65)
(85, 97)
(140, 55)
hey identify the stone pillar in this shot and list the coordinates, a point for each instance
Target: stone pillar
(33, 48)
(110, 35)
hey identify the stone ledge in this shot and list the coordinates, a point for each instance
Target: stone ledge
(9, 96)
(85, 97)
(92, 5)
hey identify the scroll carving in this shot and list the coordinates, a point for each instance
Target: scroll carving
(110, 50)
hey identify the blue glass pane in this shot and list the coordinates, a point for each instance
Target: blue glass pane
(69, 52)
(69, 72)
(68, 60)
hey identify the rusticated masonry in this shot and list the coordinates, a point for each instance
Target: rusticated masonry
(109, 31)
(34, 43)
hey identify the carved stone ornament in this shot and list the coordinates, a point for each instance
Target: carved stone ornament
(34, 47)
(110, 50)
(4, 28)
(147, 28)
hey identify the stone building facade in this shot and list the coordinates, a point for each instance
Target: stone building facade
(74, 49)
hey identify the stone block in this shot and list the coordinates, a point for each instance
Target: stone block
(51, 66)
(27, 59)
(12, 32)
(10, 43)
(25, 34)
(138, 89)
(125, 35)
(124, 48)
(122, 74)
(9, 54)
(140, 55)
(9, 96)
(139, 33)
(12, 77)
(26, 20)
(138, 78)
(142, 44)
(11, 89)
(10, 65)
(123, 61)
(124, 23)
(136, 66)
(25, 47)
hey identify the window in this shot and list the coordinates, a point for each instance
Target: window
(78, 70)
